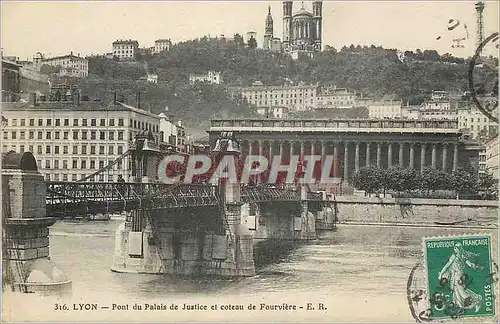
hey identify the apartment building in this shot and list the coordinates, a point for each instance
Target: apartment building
(386, 109)
(173, 134)
(210, 77)
(73, 139)
(161, 45)
(125, 50)
(70, 65)
(294, 98)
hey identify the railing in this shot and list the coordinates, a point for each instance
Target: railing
(263, 194)
(336, 123)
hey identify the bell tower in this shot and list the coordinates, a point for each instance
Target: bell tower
(268, 35)
(317, 20)
(287, 22)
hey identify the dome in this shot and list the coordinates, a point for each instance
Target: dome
(302, 12)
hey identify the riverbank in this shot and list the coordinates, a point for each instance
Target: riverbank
(413, 225)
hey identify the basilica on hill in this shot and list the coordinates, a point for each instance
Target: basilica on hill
(302, 30)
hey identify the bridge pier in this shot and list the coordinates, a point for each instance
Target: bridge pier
(26, 263)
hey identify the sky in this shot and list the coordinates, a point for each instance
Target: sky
(89, 27)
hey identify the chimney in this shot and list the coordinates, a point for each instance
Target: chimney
(138, 99)
(71, 52)
(114, 98)
(179, 123)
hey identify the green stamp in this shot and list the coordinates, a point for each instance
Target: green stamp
(459, 276)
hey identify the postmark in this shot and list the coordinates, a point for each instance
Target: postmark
(487, 105)
(459, 281)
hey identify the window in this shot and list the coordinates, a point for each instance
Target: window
(84, 122)
(5, 135)
(111, 122)
(93, 122)
(21, 148)
(110, 150)
(101, 164)
(66, 122)
(65, 177)
(84, 165)
(65, 149)
(75, 135)
(119, 165)
(49, 122)
(22, 135)
(14, 122)
(47, 164)
(32, 122)
(56, 164)
(49, 135)
(92, 149)
(65, 135)
(135, 123)
(65, 164)
(73, 177)
(120, 122)
(14, 135)
(31, 135)
(120, 149)
(30, 148)
(56, 149)
(103, 122)
(57, 135)
(58, 122)
(23, 122)
(84, 135)
(47, 176)
(111, 136)
(120, 136)
(101, 177)
(39, 149)
(56, 177)
(92, 135)
(75, 122)
(75, 149)
(102, 135)
(40, 122)
(74, 164)
(84, 149)
(101, 150)
(92, 164)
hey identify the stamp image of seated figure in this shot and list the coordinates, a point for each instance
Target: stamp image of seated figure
(459, 276)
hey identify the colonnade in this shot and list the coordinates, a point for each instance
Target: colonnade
(357, 154)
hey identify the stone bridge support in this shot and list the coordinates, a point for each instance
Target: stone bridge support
(26, 263)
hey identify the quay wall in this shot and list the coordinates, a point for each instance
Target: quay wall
(415, 210)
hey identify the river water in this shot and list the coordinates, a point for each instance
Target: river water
(358, 273)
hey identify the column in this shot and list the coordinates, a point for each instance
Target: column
(412, 155)
(250, 147)
(323, 152)
(271, 152)
(281, 151)
(389, 155)
(379, 152)
(301, 149)
(335, 159)
(445, 156)
(367, 153)
(291, 149)
(261, 153)
(433, 159)
(346, 160)
(401, 154)
(422, 156)
(455, 157)
(356, 157)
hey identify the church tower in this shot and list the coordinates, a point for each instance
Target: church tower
(268, 34)
(287, 23)
(317, 20)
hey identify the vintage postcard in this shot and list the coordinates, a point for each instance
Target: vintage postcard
(250, 161)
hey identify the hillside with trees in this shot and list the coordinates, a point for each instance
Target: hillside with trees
(372, 70)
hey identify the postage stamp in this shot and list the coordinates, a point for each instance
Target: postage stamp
(459, 281)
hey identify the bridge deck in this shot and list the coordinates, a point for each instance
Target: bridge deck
(65, 199)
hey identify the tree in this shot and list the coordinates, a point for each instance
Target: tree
(433, 179)
(368, 178)
(252, 43)
(464, 181)
(487, 184)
